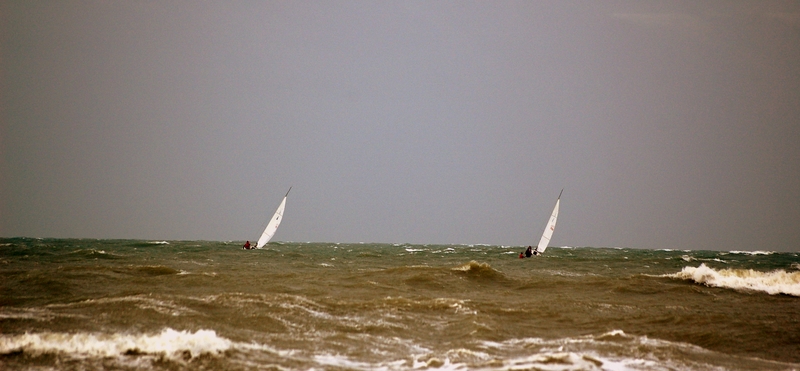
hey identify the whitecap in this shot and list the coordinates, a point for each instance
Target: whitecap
(613, 350)
(753, 252)
(169, 343)
(773, 282)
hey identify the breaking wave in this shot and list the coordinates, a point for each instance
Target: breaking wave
(752, 252)
(474, 266)
(178, 345)
(773, 283)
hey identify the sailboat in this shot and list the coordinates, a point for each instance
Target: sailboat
(549, 229)
(272, 227)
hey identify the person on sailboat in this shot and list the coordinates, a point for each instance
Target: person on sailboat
(522, 255)
(528, 252)
(246, 246)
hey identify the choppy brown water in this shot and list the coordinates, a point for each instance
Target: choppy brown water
(95, 304)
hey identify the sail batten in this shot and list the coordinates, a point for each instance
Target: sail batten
(550, 228)
(273, 224)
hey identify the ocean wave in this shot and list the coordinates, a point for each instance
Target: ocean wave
(154, 270)
(688, 258)
(169, 343)
(132, 270)
(458, 306)
(33, 314)
(144, 302)
(773, 282)
(752, 252)
(566, 273)
(474, 266)
(478, 270)
(613, 350)
(92, 253)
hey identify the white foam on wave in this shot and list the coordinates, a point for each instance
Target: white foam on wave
(465, 359)
(774, 282)
(752, 252)
(612, 351)
(339, 361)
(169, 343)
(688, 258)
(582, 353)
(159, 242)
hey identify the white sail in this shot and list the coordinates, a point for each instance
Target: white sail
(272, 227)
(548, 230)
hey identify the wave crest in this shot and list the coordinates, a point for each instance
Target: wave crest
(774, 282)
(480, 272)
(475, 267)
(178, 345)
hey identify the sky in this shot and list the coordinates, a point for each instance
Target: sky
(668, 124)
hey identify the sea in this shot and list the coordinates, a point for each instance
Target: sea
(87, 304)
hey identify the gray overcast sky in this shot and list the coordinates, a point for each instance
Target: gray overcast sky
(669, 124)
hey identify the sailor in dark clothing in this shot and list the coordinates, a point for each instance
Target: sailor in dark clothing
(528, 252)
(246, 245)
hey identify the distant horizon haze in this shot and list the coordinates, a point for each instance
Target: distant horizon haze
(669, 125)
